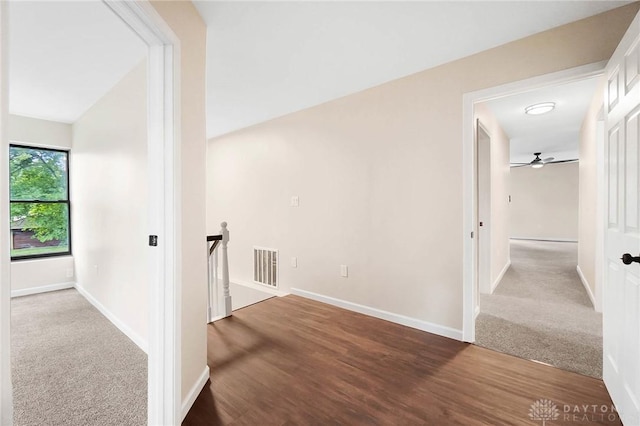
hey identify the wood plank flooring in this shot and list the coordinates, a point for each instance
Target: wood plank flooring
(293, 361)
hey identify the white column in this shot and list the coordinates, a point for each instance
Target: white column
(225, 270)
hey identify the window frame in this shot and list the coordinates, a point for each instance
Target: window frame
(67, 201)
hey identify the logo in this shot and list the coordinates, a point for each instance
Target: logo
(544, 410)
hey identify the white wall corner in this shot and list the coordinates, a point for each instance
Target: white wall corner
(42, 289)
(135, 337)
(500, 276)
(477, 311)
(432, 328)
(585, 283)
(194, 392)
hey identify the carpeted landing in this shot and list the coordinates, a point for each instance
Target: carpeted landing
(71, 366)
(541, 311)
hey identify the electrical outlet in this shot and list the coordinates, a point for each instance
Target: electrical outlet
(294, 262)
(344, 271)
(69, 273)
(295, 201)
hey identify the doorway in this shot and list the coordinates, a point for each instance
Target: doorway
(510, 268)
(164, 344)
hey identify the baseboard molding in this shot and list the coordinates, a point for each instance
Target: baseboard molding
(500, 276)
(42, 289)
(388, 316)
(135, 337)
(195, 391)
(585, 283)
(550, 239)
(259, 287)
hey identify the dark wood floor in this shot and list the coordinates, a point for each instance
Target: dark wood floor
(292, 361)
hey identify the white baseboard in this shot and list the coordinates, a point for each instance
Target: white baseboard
(500, 276)
(194, 392)
(135, 337)
(550, 239)
(440, 330)
(585, 283)
(41, 289)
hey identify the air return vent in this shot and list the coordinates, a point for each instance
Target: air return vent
(265, 266)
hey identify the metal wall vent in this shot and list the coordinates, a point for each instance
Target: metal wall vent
(265, 266)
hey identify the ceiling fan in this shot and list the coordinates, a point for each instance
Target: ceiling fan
(538, 162)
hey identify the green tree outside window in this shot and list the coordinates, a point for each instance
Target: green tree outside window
(39, 198)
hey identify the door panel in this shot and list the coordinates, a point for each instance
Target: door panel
(621, 290)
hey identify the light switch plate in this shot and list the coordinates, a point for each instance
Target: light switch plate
(294, 262)
(344, 271)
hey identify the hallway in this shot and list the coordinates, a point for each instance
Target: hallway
(541, 311)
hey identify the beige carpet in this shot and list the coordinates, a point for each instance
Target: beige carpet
(541, 310)
(71, 366)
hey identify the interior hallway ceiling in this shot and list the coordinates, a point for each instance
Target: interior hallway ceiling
(264, 59)
(269, 59)
(554, 134)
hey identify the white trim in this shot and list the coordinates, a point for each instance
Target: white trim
(477, 311)
(601, 224)
(500, 276)
(41, 289)
(550, 239)
(6, 390)
(124, 328)
(164, 207)
(429, 327)
(194, 392)
(469, 251)
(585, 283)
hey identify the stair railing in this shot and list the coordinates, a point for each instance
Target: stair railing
(218, 307)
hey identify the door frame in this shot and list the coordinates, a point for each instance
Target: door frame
(469, 208)
(484, 242)
(163, 143)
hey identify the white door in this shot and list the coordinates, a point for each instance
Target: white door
(621, 289)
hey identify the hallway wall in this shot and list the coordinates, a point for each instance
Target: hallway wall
(544, 202)
(379, 179)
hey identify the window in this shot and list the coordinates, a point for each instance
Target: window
(39, 196)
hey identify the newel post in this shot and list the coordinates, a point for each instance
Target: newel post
(225, 270)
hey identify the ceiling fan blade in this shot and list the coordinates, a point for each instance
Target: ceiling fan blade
(548, 159)
(565, 161)
(520, 164)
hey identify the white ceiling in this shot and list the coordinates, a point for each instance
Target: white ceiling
(556, 133)
(64, 56)
(268, 59)
(264, 59)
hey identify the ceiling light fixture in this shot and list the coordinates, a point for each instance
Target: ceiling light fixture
(542, 108)
(537, 165)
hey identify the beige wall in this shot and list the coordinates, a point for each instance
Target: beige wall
(588, 191)
(379, 176)
(109, 210)
(44, 133)
(186, 23)
(500, 186)
(32, 274)
(544, 202)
